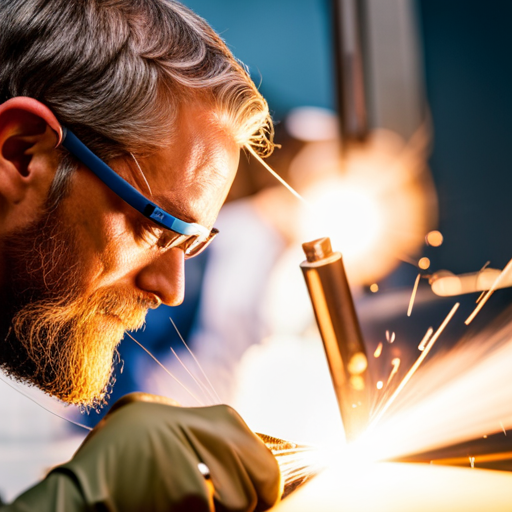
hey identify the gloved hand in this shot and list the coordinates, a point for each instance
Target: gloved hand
(144, 456)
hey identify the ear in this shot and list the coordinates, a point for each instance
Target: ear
(29, 134)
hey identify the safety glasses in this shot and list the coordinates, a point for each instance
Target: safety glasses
(190, 237)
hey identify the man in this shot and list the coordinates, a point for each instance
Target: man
(148, 88)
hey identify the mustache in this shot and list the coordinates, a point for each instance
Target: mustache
(57, 332)
(128, 309)
(67, 346)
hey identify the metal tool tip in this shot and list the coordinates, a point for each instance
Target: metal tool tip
(317, 249)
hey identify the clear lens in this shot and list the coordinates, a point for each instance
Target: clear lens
(197, 246)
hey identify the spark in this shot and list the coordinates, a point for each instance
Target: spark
(459, 395)
(197, 381)
(413, 295)
(424, 263)
(416, 365)
(374, 288)
(378, 350)
(196, 361)
(142, 174)
(43, 407)
(434, 238)
(278, 178)
(396, 365)
(165, 369)
(425, 339)
(390, 337)
(297, 463)
(472, 461)
(486, 457)
(380, 384)
(481, 304)
(481, 296)
(503, 428)
(485, 266)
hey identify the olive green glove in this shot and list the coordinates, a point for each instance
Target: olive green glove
(144, 456)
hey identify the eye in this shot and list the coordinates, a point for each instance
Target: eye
(149, 233)
(170, 239)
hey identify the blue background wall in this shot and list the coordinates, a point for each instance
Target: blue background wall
(467, 47)
(285, 43)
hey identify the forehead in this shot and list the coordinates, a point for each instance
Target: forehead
(192, 175)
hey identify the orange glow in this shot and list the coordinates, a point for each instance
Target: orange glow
(415, 366)
(357, 364)
(351, 485)
(446, 284)
(413, 294)
(503, 277)
(374, 288)
(376, 205)
(424, 263)
(390, 337)
(461, 394)
(426, 338)
(396, 365)
(357, 383)
(347, 213)
(434, 238)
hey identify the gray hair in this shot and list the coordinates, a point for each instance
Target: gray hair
(116, 71)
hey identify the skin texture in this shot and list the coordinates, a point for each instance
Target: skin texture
(75, 278)
(190, 178)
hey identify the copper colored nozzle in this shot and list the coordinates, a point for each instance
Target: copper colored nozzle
(341, 335)
(317, 249)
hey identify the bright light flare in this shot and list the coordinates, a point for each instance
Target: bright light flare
(461, 394)
(352, 486)
(376, 204)
(396, 364)
(350, 216)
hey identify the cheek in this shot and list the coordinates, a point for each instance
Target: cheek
(109, 250)
(102, 225)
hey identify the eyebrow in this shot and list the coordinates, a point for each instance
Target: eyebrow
(174, 208)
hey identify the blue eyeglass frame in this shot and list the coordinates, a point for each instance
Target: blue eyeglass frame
(127, 192)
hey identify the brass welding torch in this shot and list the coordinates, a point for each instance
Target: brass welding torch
(337, 321)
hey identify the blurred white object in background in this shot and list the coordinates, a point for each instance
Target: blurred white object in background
(312, 124)
(230, 318)
(32, 440)
(447, 284)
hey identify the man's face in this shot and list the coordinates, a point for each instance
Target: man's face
(78, 277)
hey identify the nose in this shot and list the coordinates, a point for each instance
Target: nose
(164, 277)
